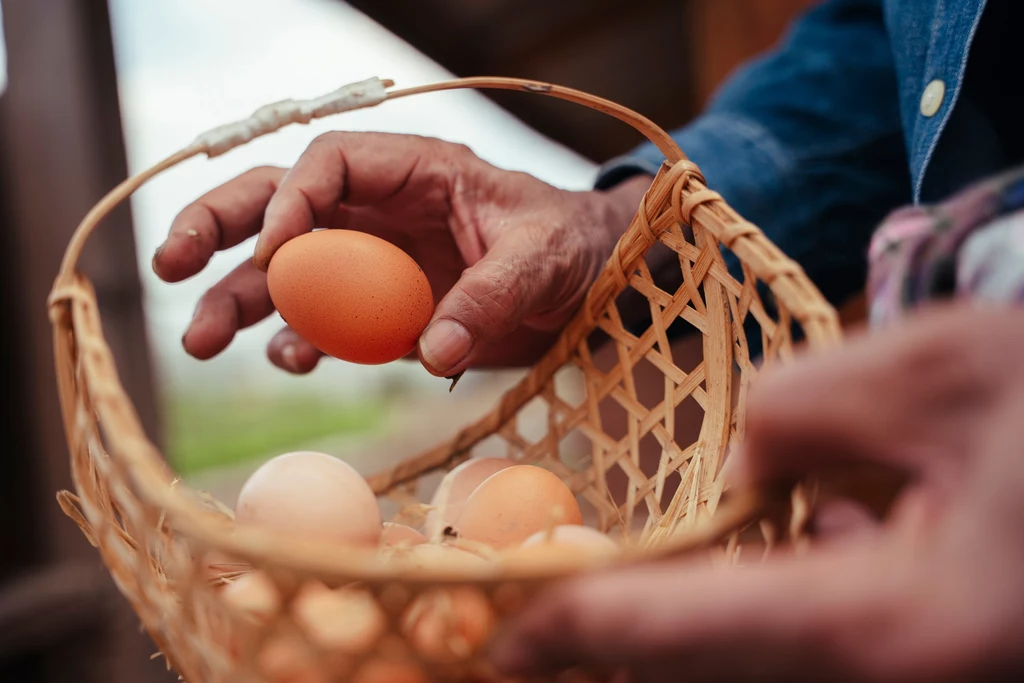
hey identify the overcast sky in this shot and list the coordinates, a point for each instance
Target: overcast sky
(188, 65)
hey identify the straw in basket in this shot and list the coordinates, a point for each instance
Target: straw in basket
(157, 538)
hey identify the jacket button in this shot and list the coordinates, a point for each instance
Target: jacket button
(931, 100)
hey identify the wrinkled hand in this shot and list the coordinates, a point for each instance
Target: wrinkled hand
(933, 593)
(509, 258)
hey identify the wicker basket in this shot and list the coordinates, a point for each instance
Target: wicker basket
(157, 538)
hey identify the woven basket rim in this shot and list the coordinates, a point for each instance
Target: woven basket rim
(72, 307)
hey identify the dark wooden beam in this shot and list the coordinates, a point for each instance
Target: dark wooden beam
(61, 149)
(45, 607)
(632, 52)
(662, 58)
(725, 33)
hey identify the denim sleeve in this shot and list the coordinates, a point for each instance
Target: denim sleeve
(806, 143)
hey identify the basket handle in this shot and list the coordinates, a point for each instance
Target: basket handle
(363, 94)
(73, 307)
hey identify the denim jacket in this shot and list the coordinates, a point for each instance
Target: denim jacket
(862, 108)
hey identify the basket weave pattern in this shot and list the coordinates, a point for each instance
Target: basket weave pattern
(156, 537)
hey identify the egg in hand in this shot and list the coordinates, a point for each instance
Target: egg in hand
(351, 295)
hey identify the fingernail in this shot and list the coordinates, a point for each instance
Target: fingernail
(455, 380)
(269, 218)
(257, 250)
(196, 312)
(444, 344)
(290, 356)
(258, 262)
(156, 255)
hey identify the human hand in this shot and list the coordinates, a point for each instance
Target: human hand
(934, 592)
(509, 258)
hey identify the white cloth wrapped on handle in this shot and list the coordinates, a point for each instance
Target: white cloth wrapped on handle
(273, 117)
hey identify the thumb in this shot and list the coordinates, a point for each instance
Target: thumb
(513, 282)
(788, 620)
(893, 399)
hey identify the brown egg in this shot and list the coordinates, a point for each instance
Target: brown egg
(515, 503)
(352, 295)
(583, 537)
(388, 671)
(287, 658)
(400, 535)
(312, 495)
(344, 620)
(449, 625)
(253, 594)
(456, 487)
(255, 599)
(339, 623)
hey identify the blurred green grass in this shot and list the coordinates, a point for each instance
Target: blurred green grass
(204, 431)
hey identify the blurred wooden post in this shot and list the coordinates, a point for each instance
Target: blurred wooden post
(725, 33)
(660, 57)
(630, 52)
(61, 149)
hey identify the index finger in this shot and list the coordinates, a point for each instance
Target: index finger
(220, 219)
(353, 169)
(794, 619)
(894, 398)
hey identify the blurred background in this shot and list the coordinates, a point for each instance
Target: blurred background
(94, 90)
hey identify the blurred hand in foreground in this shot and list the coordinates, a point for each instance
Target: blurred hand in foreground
(509, 258)
(933, 593)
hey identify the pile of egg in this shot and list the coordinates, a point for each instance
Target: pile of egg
(485, 510)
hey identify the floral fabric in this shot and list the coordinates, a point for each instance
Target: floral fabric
(971, 246)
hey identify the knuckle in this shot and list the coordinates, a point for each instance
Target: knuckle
(945, 359)
(329, 139)
(455, 153)
(563, 263)
(456, 149)
(214, 297)
(936, 348)
(568, 253)
(545, 236)
(263, 172)
(198, 229)
(492, 295)
(763, 400)
(956, 335)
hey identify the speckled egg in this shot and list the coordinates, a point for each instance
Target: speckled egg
(456, 487)
(514, 504)
(352, 295)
